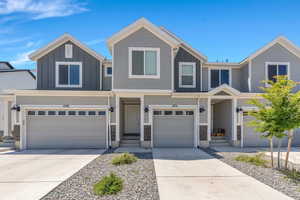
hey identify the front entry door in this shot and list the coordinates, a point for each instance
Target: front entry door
(132, 119)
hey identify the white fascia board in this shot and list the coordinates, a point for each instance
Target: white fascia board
(283, 41)
(225, 88)
(129, 92)
(186, 46)
(61, 93)
(64, 107)
(59, 41)
(141, 23)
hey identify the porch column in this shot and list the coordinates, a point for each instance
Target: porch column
(142, 118)
(7, 120)
(117, 118)
(234, 118)
(208, 118)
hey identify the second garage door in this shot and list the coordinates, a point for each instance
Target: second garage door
(65, 129)
(173, 128)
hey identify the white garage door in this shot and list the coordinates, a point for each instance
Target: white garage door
(65, 129)
(173, 128)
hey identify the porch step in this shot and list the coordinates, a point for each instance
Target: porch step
(129, 137)
(130, 143)
(217, 143)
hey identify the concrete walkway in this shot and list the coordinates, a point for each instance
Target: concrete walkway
(187, 174)
(294, 156)
(32, 174)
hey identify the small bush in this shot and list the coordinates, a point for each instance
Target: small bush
(108, 185)
(124, 158)
(293, 174)
(255, 160)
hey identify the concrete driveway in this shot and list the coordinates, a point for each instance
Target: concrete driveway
(187, 174)
(32, 174)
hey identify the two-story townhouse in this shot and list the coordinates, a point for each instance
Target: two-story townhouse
(156, 91)
(11, 78)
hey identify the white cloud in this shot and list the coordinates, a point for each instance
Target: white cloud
(33, 44)
(12, 41)
(39, 9)
(22, 59)
(93, 42)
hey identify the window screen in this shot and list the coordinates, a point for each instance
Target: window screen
(63, 75)
(137, 62)
(214, 78)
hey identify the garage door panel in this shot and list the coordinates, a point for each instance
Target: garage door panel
(66, 132)
(173, 131)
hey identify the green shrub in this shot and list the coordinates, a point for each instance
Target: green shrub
(108, 185)
(293, 174)
(124, 158)
(255, 160)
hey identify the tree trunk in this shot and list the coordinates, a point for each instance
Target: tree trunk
(271, 151)
(290, 139)
(278, 156)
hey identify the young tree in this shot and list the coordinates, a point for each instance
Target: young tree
(279, 112)
(264, 123)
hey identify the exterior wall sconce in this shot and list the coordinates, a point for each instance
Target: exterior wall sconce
(16, 108)
(201, 110)
(146, 109)
(239, 109)
(111, 109)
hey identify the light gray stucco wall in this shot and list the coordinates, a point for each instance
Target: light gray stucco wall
(113, 114)
(277, 53)
(46, 68)
(141, 38)
(203, 116)
(244, 71)
(236, 78)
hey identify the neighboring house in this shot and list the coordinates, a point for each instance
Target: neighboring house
(157, 91)
(11, 78)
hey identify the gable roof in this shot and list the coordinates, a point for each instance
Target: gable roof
(19, 70)
(186, 46)
(59, 41)
(142, 23)
(7, 64)
(283, 41)
(225, 88)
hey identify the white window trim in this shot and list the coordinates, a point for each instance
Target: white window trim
(57, 75)
(219, 68)
(68, 51)
(194, 74)
(105, 71)
(276, 63)
(130, 75)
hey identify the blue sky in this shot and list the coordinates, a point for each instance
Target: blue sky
(221, 29)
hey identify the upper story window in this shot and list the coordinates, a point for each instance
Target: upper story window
(276, 69)
(108, 71)
(187, 74)
(218, 77)
(144, 62)
(68, 51)
(68, 74)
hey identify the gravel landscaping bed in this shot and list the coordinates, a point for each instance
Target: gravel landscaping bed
(139, 180)
(268, 176)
